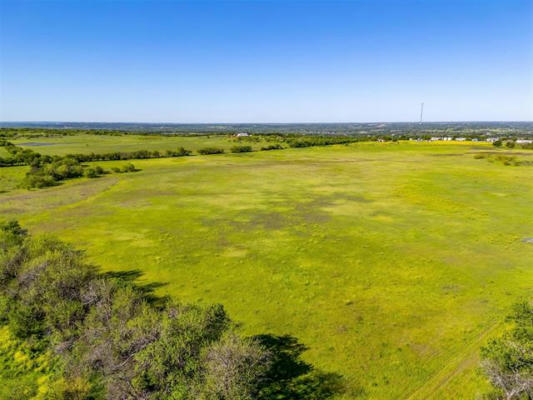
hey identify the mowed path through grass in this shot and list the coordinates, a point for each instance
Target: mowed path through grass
(391, 262)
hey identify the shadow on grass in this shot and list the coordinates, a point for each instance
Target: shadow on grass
(289, 377)
(147, 289)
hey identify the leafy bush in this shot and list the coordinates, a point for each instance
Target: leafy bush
(508, 360)
(128, 168)
(241, 149)
(272, 147)
(90, 173)
(181, 152)
(210, 150)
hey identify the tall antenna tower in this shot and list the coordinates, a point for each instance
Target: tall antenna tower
(421, 111)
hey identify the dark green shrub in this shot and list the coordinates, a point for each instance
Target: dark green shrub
(128, 168)
(272, 147)
(90, 173)
(181, 152)
(241, 149)
(210, 150)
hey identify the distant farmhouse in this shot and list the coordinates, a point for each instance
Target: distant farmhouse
(242, 134)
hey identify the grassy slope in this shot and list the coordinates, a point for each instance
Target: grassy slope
(105, 144)
(11, 177)
(391, 262)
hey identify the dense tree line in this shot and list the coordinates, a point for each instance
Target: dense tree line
(508, 361)
(276, 146)
(43, 173)
(210, 150)
(310, 141)
(18, 155)
(132, 155)
(110, 338)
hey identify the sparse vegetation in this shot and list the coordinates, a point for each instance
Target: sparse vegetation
(503, 159)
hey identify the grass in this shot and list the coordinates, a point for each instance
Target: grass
(61, 145)
(393, 263)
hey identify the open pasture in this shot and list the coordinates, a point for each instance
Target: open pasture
(86, 143)
(392, 262)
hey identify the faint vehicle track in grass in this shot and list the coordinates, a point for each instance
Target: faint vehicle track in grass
(66, 194)
(465, 359)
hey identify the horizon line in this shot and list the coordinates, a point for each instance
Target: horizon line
(257, 123)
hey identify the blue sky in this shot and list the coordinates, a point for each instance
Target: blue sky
(252, 61)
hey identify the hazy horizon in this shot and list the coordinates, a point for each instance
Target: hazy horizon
(259, 122)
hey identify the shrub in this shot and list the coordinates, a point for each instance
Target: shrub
(241, 149)
(272, 147)
(90, 173)
(181, 152)
(38, 181)
(210, 150)
(508, 360)
(128, 168)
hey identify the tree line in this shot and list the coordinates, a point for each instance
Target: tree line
(107, 337)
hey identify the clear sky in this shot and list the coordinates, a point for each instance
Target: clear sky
(251, 61)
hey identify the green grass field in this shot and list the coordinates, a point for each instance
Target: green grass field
(61, 145)
(392, 262)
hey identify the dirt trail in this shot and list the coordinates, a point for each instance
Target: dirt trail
(466, 359)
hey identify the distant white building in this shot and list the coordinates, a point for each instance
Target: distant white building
(524, 141)
(460, 139)
(242, 134)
